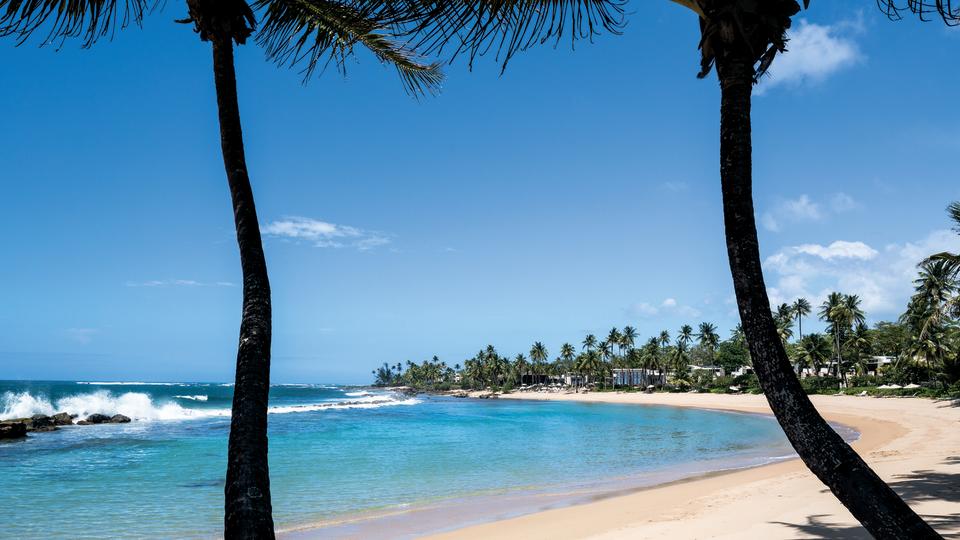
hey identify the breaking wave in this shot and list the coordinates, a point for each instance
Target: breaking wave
(140, 406)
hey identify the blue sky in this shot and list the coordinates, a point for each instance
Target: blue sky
(576, 192)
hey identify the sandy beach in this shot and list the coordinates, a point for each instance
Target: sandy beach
(914, 444)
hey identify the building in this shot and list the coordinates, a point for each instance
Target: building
(717, 371)
(637, 377)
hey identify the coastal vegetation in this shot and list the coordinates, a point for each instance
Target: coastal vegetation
(914, 355)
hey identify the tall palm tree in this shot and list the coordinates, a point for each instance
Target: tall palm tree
(664, 338)
(520, 364)
(538, 353)
(831, 311)
(613, 339)
(628, 337)
(685, 336)
(567, 354)
(801, 308)
(742, 38)
(708, 339)
(303, 33)
(589, 342)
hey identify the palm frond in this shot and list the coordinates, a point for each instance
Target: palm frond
(317, 33)
(758, 28)
(954, 211)
(506, 27)
(88, 20)
(945, 9)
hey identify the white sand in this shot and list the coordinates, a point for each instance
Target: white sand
(914, 444)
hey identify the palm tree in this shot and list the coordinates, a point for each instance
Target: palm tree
(301, 32)
(520, 364)
(783, 318)
(589, 342)
(685, 336)
(922, 8)
(538, 353)
(614, 338)
(831, 311)
(742, 38)
(567, 354)
(801, 308)
(664, 338)
(708, 339)
(814, 351)
(628, 337)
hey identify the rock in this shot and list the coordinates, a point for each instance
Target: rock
(13, 430)
(42, 429)
(84, 423)
(62, 419)
(40, 421)
(97, 419)
(119, 419)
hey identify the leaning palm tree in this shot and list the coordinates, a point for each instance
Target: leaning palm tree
(306, 33)
(741, 38)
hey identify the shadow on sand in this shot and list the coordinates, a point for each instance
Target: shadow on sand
(917, 486)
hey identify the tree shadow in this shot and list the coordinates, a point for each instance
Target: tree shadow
(921, 486)
(818, 528)
(917, 486)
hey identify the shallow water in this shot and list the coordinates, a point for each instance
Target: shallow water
(337, 452)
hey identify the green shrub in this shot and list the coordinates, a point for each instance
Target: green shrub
(748, 382)
(821, 385)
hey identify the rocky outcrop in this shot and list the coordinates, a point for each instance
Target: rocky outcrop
(63, 419)
(38, 423)
(13, 430)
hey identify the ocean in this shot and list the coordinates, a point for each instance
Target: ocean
(342, 456)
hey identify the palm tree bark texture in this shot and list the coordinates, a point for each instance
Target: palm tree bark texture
(247, 506)
(881, 511)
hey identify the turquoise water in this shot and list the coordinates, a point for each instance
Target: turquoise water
(334, 452)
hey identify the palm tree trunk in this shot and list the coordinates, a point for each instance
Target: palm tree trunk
(247, 509)
(824, 452)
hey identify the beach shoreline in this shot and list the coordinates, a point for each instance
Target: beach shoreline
(912, 443)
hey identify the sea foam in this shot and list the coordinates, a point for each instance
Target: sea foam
(140, 406)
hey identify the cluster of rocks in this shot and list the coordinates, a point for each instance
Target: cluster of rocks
(17, 428)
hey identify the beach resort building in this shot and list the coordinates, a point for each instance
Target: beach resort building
(637, 377)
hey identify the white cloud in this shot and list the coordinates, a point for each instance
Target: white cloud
(669, 306)
(178, 283)
(814, 52)
(82, 336)
(841, 202)
(324, 234)
(882, 277)
(840, 249)
(804, 209)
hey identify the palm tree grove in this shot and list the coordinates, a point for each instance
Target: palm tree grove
(628, 269)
